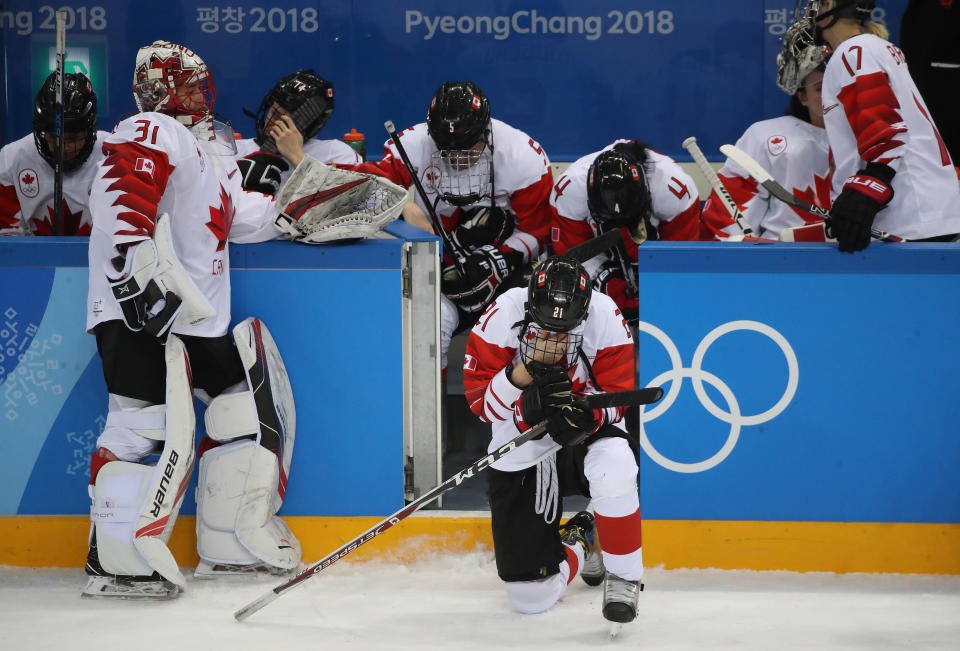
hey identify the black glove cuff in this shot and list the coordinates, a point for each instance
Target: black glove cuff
(879, 171)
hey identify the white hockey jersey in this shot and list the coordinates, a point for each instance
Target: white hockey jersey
(492, 349)
(154, 165)
(521, 175)
(26, 190)
(673, 196)
(874, 113)
(797, 155)
(325, 151)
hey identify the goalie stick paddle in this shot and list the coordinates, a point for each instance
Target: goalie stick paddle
(596, 401)
(58, 131)
(448, 244)
(754, 169)
(690, 144)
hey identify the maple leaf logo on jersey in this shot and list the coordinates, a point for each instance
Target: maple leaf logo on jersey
(71, 222)
(27, 179)
(29, 185)
(776, 145)
(221, 219)
(818, 195)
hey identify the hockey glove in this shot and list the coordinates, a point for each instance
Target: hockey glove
(261, 172)
(611, 282)
(483, 226)
(862, 197)
(483, 271)
(571, 424)
(550, 391)
(144, 304)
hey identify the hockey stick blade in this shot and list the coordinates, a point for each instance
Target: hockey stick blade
(592, 248)
(632, 398)
(761, 176)
(594, 401)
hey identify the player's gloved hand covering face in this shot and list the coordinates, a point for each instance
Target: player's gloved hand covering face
(571, 424)
(551, 390)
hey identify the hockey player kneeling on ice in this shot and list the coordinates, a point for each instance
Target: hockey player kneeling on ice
(166, 200)
(530, 358)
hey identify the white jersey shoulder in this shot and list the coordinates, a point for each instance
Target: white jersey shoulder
(155, 165)
(874, 113)
(27, 189)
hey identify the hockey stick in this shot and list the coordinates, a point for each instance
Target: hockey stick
(754, 169)
(58, 131)
(690, 144)
(598, 401)
(592, 248)
(437, 224)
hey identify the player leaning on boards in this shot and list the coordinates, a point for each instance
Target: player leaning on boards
(625, 186)
(530, 356)
(793, 148)
(288, 120)
(892, 167)
(488, 183)
(165, 202)
(27, 165)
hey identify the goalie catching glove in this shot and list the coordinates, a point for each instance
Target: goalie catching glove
(321, 203)
(862, 197)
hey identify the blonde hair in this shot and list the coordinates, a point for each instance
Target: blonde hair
(870, 27)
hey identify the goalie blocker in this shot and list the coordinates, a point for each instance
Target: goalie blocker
(244, 470)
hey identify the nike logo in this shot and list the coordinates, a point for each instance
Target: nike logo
(827, 109)
(231, 173)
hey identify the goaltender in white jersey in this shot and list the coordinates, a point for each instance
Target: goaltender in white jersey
(165, 203)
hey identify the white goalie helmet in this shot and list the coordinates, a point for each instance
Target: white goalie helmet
(169, 78)
(799, 56)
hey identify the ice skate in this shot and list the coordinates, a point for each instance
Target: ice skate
(582, 528)
(101, 583)
(620, 598)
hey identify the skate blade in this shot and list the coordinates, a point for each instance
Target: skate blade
(107, 588)
(206, 571)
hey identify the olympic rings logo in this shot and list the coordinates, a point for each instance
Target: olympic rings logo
(698, 376)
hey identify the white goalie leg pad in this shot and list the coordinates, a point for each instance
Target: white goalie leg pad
(242, 484)
(236, 524)
(118, 497)
(169, 478)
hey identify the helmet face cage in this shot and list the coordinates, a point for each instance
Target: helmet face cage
(559, 294)
(171, 79)
(306, 96)
(617, 193)
(79, 117)
(465, 175)
(459, 116)
(799, 56)
(538, 345)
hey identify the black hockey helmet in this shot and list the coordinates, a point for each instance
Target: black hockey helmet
(304, 94)
(458, 116)
(79, 116)
(617, 193)
(559, 294)
(859, 10)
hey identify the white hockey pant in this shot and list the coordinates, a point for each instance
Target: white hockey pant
(242, 482)
(135, 506)
(611, 469)
(531, 597)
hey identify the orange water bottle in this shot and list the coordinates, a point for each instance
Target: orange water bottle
(356, 141)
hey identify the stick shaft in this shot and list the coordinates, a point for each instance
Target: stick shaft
(58, 135)
(690, 144)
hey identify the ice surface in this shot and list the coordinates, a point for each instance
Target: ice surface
(457, 601)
